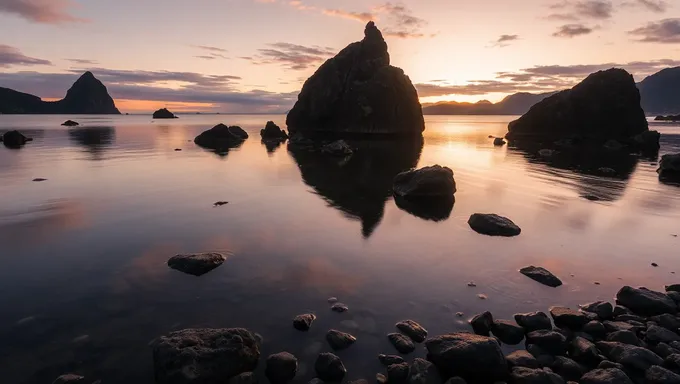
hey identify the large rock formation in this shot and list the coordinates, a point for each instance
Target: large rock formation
(606, 105)
(358, 92)
(87, 96)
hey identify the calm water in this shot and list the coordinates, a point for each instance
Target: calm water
(84, 286)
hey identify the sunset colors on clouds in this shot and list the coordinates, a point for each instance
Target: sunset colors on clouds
(254, 55)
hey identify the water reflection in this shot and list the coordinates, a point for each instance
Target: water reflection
(272, 145)
(434, 209)
(95, 140)
(359, 185)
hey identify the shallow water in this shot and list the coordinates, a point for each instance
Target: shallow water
(84, 285)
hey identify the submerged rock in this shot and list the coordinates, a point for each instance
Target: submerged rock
(413, 330)
(281, 367)
(669, 167)
(221, 137)
(193, 356)
(14, 139)
(541, 275)
(272, 131)
(358, 92)
(303, 322)
(339, 340)
(70, 123)
(329, 368)
(645, 302)
(428, 182)
(196, 264)
(163, 114)
(493, 225)
(472, 357)
(402, 343)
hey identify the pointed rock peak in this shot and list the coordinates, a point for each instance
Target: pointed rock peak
(372, 32)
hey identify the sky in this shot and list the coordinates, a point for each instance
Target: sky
(254, 55)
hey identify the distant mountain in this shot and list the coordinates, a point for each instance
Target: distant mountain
(87, 96)
(516, 104)
(661, 92)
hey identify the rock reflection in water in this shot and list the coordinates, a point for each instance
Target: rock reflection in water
(96, 140)
(272, 145)
(360, 185)
(434, 209)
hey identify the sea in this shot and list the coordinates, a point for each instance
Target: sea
(84, 282)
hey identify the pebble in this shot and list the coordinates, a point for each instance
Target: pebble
(339, 307)
(332, 300)
(482, 296)
(655, 265)
(472, 284)
(220, 203)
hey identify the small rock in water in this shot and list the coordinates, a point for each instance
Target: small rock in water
(339, 307)
(482, 323)
(70, 123)
(281, 367)
(332, 300)
(303, 322)
(39, 179)
(499, 142)
(339, 340)
(380, 378)
(591, 197)
(196, 264)
(178, 149)
(541, 275)
(428, 182)
(472, 284)
(493, 225)
(402, 343)
(482, 296)
(655, 265)
(329, 368)
(597, 283)
(460, 314)
(69, 378)
(220, 203)
(388, 360)
(413, 330)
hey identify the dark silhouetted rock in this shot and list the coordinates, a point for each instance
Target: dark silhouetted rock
(507, 332)
(606, 376)
(339, 340)
(398, 373)
(413, 330)
(566, 317)
(659, 375)
(670, 322)
(163, 113)
(672, 361)
(645, 302)
(281, 367)
(552, 342)
(329, 368)
(673, 288)
(493, 225)
(568, 369)
(664, 351)
(70, 123)
(656, 334)
(647, 141)
(244, 378)
(602, 309)
(594, 328)
(221, 137)
(584, 351)
(303, 322)
(615, 326)
(423, 372)
(69, 378)
(605, 364)
(456, 380)
(388, 360)
(482, 323)
(272, 131)
(629, 355)
(402, 343)
(521, 375)
(14, 139)
(358, 92)
(338, 148)
(196, 264)
(39, 179)
(339, 308)
(499, 142)
(521, 358)
(427, 182)
(472, 357)
(533, 321)
(606, 105)
(220, 203)
(667, 118)
(541, 275)
(193, 356)
(669, 167)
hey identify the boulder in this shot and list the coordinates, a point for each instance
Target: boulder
(673, 288)
(493, 225)
(339, 340)
(647, 141)
(629, 355)
(398, 373)
(670, 322)
(205, 355)
(602, 309)
(664, 351)
(402, 343)
(551, 342)
(303, 322)
(567, 317)
(606, 376)
(669, 167)
(656, 334)
(70, 123)
(499, 142)
(272, 131)
(338, 148)
(423, 372)
(482, 323)
(221, 137)
(14, 139)
(521, 358)
(427, 182)
(196, 264)
(281, 367)
(388, 360)
(244, 378)
(507, 332)
(163, 114)
(568, 369)
(358, 92)
(645, 302)
(521, 375)
(533, 321)
(541, 275)
(605, 364)
(615, 326)
(329, 368)
(594, 328)
(472, 357)
(606, 105)
(339, 308)
(413, 330)
(584, 351)
(667, 118)
(659, 375)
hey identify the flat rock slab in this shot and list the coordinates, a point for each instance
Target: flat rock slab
(204, 355)
(541, 275)
(413, 330)
(645, 302)
(196, 264)
(493, 225)
(402, 343)
(567, 317)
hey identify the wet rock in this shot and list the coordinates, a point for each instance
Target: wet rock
(163, 114)
(358, 92)
(472, 357)
(621, 310)
(196, 264)
(39, 179)
(656, 334)
(552, 342)
(14, 139)
(613, 145)
(482, 323)
(402, 343)
(659, 375)
(388, 360)
(541, 275)
(413, 330)
(606, 376)
(672, 361)
(281, 367)
(615, 326)
(625, 318)
(339, 307)
(272, 131)
(521, 375)
(221, 137)
(423, 372)
(204, 355)
(338, 148)
(670, 322)
(427, 182)
(602, 309)
(605, 364)
(244, 378)
(625, 337)
(329, 368)
(339, 340)
(220, 203)
(499, 142)
(673, 288)
(566, 317)
(303, 322)
(584, 351)
(664, 350)
(70, 123)
(568, 368)
(675, 296)
(643, 301)
(594, 328)
(521, 358)
(629, 355)
(398, 373)
(507, 332)
(380, 378)
(69, 378)
(533, 321)
(493, 225)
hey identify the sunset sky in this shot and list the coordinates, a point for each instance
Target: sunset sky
(253, 55)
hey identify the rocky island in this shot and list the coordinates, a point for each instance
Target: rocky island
(164, 113)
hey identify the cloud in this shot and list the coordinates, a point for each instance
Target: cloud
(401, 23)
(41, 11)
(665, 31)
(504, 40)
(572, 30)
(658, 6)
(10, 56)
(292, 56)
(210, 49)
(578, 10)
(478, 87)
(82, 61)
(363, 17)
(212, 53)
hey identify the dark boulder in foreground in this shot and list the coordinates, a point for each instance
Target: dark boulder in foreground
(482, 323)
(472, 357)
(281, 368)
(606, 376)
(14, 139)
(339, 340)
(196, 264)
(304, 322)
(493, 225)
(522, 375)
(70, 123)
(358, 92)
(329, 368)
(541, 275)
(669, 167)
(606, 105)
(163, 114)
(668, 118)
(272, 131)
(434, 181)
(507, 332)
(643, 301)
(221, 137)
(194, 356)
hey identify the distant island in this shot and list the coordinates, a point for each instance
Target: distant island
(87, 96)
